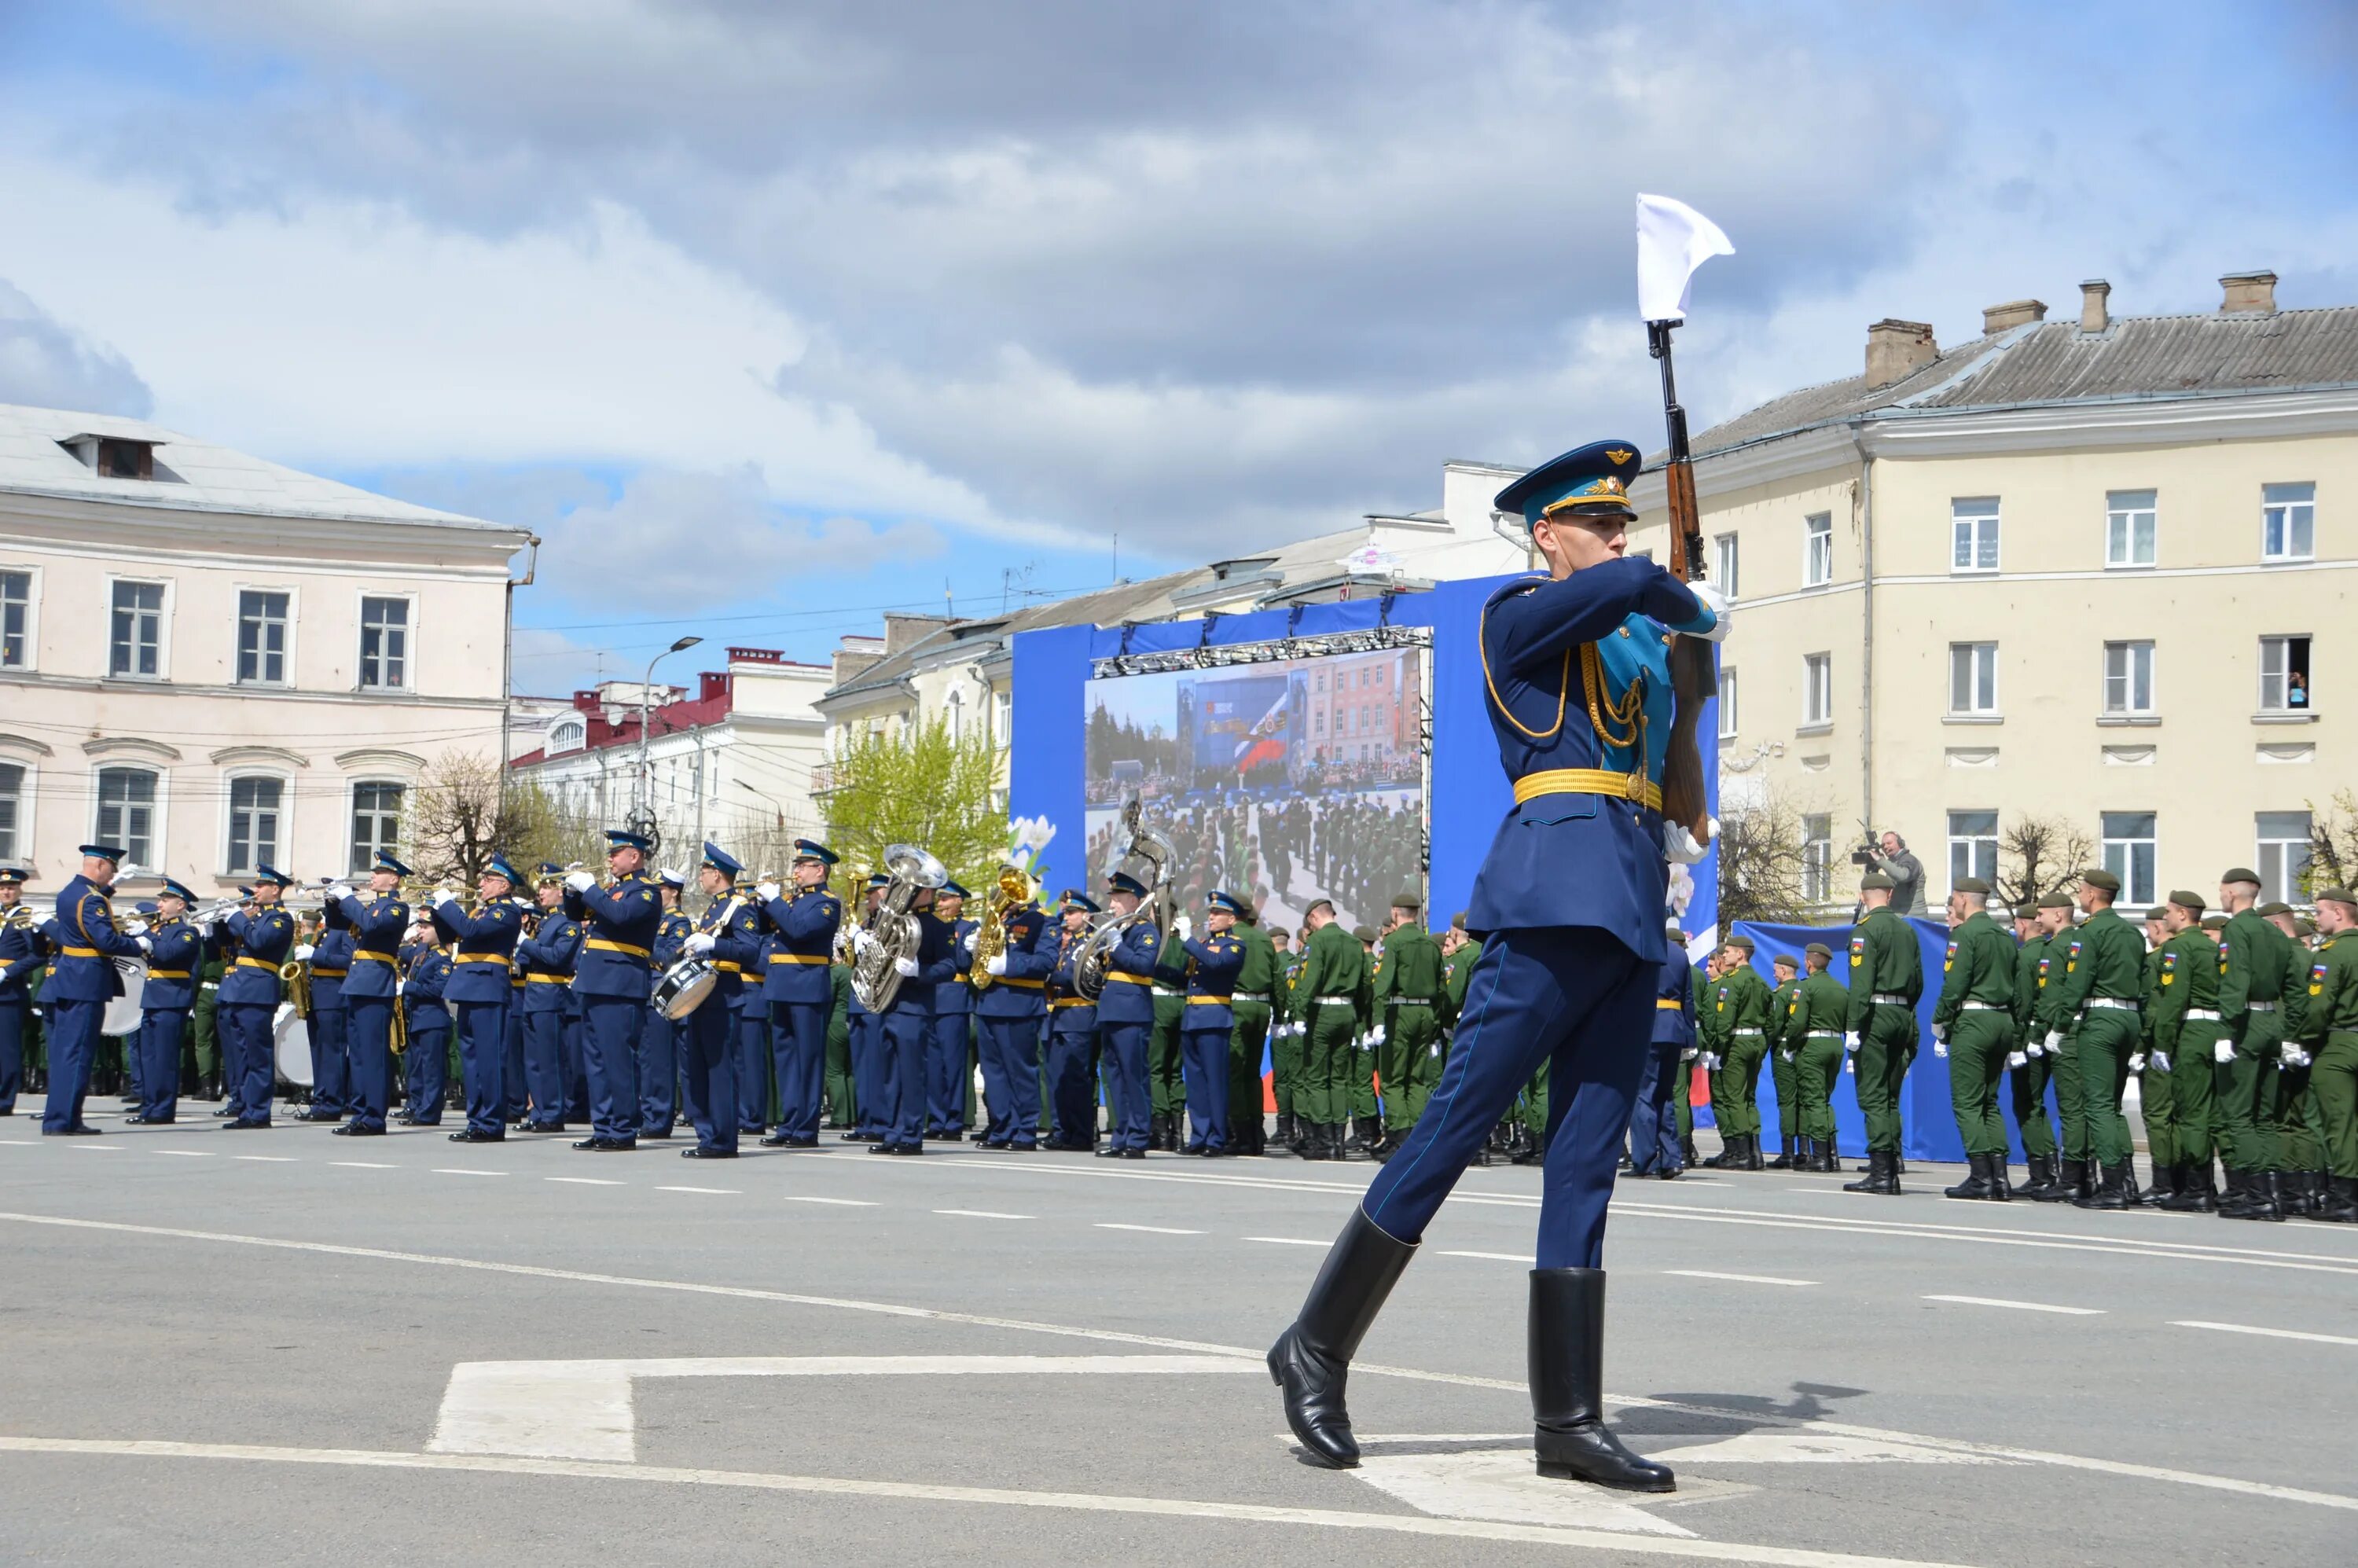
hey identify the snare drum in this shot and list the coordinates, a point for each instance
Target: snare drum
(683, 987)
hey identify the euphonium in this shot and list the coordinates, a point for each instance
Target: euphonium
(892, 929)
(1154, 854)
(1012, 893)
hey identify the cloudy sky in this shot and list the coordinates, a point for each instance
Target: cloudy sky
(770, 315)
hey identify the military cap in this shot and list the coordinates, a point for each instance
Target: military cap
(244, 891)
(2156, 915)
(499, 866)
(1874, 880)
(2240, 875)
(2097, 877)
(722, 860)
(2337, 895)
(623, 838)
(1405, 899)
(1076, 899)
(2304, 926)
(2055, 900)
(2214, 923)
(879, 879)
(144, 907)
(12, 877)
(2275, 906)
(1122, 881)
(1970, 884)
(2185, 899)
(672, 879)
(104, 852)
(1818, 950)
(1670, 929)
(176, 889)
(1364, 933)
(812, 849)
(1457, 920)
(277, 878)
(952, 889)
(384, 863)
(1787, 960)
(1738, 940)
(1223, 902)
(1588, 481)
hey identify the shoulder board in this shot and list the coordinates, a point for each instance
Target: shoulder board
(1519, 586)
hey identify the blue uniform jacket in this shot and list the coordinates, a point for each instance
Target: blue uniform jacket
(21, 958)
(547, 960)
(1022, 991)
(937, 966)
(1554, 654)
(84, 970)
(1213, 965)
(1128, 996)
(331, 960)
(173, 969)
(429, 975)
(617, 924)
(376, 925)
(669, 936)
(803, 922)
(483, 946)
(736, 928)
(1674, 1022)
(1069, 1013)
(956, 993)
(264, 939)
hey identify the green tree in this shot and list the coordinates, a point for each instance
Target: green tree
(2333, 844)
(1761, 859)
(918, 786)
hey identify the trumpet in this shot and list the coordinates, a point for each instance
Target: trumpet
(17, 918)
(1012, 892)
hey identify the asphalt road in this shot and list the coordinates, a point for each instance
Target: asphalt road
(289, 1347)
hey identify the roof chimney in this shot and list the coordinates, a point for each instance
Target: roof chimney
(1896, 349)
(2095, 314)
(2248, 293)
(2013, 313)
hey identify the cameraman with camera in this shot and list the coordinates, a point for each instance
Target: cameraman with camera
(1894, 860)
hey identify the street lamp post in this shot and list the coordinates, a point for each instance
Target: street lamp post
(643, 815)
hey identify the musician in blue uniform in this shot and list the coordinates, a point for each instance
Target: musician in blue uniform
(907, 1025)
(1125, 1019)
(947, 1047)
(1007, 1015)
(612, 978)
(482, 952)
(1569, 905)
(176, 955)
(247, 1003)
(515, 1106)
(751, 1029)
(21, 962)
(1072, 1036)
(659, 1036)
(327, 959)
(875, 1080)
(1214, 961)
(729, 935)
(1654, 1121)
(799, 990)
(83, 980)
(546, 957)
(371, 981)
(426, 1061)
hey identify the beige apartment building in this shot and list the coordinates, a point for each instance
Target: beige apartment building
(2098, 571)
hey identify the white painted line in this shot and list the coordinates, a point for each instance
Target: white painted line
(981, 1214)
(20, 1142)
(1289, 1242)
(840, 1203)
(363, 1165)
(1152, 1229)
(2270, 1333)
(1740, 1278)
(584, 1181)
(95, 1148)
(1525, 1258)
(464, 1171)
(267, 1159)
(185, 1153)
(718, 1192)
(2019, 1306)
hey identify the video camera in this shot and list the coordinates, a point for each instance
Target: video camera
(1866, 854)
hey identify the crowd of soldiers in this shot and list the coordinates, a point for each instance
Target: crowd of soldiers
(1352, 849)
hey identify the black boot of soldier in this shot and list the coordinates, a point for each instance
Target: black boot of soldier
(2107, 1193)
(1752, 1161)
(1976, 1182)
(2163, 1194)
(1311, 1360)
(2132, 1195)
(2340, 1205)
(2001, 1189)
(1567, 1375)
(1784, 1160)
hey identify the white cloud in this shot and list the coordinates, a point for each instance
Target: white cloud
(48, 364)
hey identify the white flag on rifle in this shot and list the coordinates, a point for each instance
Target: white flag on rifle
(1673, 239)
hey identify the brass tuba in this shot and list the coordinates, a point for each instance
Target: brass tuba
(1151, 854)
(1012, 893)
(893, 931)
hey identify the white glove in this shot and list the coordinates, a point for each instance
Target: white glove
(2136, 1061)
(767, 892)
(2223, 1052)
(302, 952)
(1940, 1047)
(998, 965)
(2161, 1061)
(444, 898)
(2294, 1056)
(2017, 1059)
(1717, 603)
(339, 892)
(1940, 1032)
(205, 926)
(1850, 1041)
(906, 966)
(580, 882)
(1710, 1062)
(699, 943)
(1681, 848)
(135, 927)
(145, 946)
(862, 941)
(1786, 1056)
(1186, 926)
(968, 944)
(1688, 1054)
(1377, 1034)
(2055, 1040)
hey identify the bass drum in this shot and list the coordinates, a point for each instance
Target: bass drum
(683, 987)
(291, 1046)
(121, 1015)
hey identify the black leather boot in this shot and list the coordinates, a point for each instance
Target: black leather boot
(1312, 1359)
(1880, 1178)
(1977, 1183)
(2196, 1192)
(2132, 1195)
(1752, 1161)
(2340, 1205)
(2237, 1195)
(2107, 1193)
(2163, 1194)
(1567, 1373)
(2068, 1175)
(2001, 1189)
(2266, 1199)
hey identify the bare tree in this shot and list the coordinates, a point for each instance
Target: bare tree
(2039, 854)
(454, 821)
(1761, 861)
(2333, 844)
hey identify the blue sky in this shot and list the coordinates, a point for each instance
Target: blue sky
(768, 317)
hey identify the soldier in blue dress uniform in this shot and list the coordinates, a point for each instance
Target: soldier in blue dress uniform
(247, 1002)
(947, 1050)
(659, 1036)
(80, 984)
(750, 1032)
(1214, 961)
(482, 952)
(730, 934)
(613, 977)
(328, 961)
(1008, 1015)
(427, 1016)
(1125, 1019)
(371, 981)
(547, 957)
(875, 1079)
(1569, 905)
(174, 961)
(799, 990)
(1072, 1036)
(21, 961)
(1653, 1120)
(906, 1027)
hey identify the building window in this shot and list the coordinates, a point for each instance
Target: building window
(1727, 705)
(1818, 549)
(1005, 731)
(1817, 858)
(2283, 674)
(568, 733)
(253, 809)
(12, 808)
(376, 823)
(16, 620)
(2283, 853)
(138, 635)
(1972, 534)
(2129, 528)
(2128, 677)
(1973, 678)
(1973, 845)
(2129, 853)
(126, 813)
(1723, 563)
(1817, 688)
(954, 712)
(385, 645)
(2288, 522)
(261, 637)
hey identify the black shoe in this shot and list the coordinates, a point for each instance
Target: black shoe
(1567, 1376)
(1312, 1359)
(1975, 1185)
(703, 1153)
(777, 1141)
(241, 1125)
(2267, 1196)
(2108, 1190)
(2340, 1202)
(469, 1135)
(131, 1121)
(354, 1130)
(2064, 1177)
(660, 1133)
(2001, 1190)
(1752, 1161)
(1882, 1176)
(1669, 1174)
(954, 1135)
(597, 1145)
(855, 1136)
(1784, 1160)
(79, 1129)
(1127, 1153)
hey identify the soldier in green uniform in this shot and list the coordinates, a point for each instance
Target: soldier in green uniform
(1366, 1129)
(1705, 979)
(1458, 954)
(1821, 1010)
(2050, 1039)
(843, 1105)
(1285, 1050)
(1249, 1008)
(2027, 1074)
(2185, 1029)
(1711, 1046)
(1971, 1026)
(2330, 1034)
(1740, 1002)
(1782, 1048)
(2097, 1001)
(204, 1033)
(2251, 964)
(1166, 1089)
(1327, 992)
(2299, 1165)
(2156, 1092)
(1409, 997)
(1887, 978)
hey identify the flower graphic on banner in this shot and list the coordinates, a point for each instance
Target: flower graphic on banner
(1682, 888)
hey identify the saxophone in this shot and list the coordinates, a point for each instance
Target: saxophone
(1153, 855)
(892, 929)
(1012, 893)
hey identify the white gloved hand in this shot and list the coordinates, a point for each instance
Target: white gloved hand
(862, 941)
(1785, 1056)
(339, 892)
(146, 944)
(1681, 848)
(2161, 1060)
(2136, 1061)
(2223, 1052)
(2017, 1059)
(1688, 1054)
(998, 965)
(907, 968)
(444, 898)
(767, 892)
(2294, 1056)
(2055, 1040)
(1186, 926)
(970, 936)
(1940, 1032)
(2036, 1048)
(205, 927)
(1723, 614)
(1940, 1048)
(135, 928)
(699, 943)
(580, 882)
(1710, 1062)
(1377, 1034)
(1850, 1041)
(302, 952)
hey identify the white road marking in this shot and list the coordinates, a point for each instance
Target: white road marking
(842, 1203)
(1501, 1484)
(464, 1171)
(1525, 1258)
(1810, 1448)
(95, 1148)
(267, 1159)
(1740, 1278)
(581, 1409)
(981, 1214)
(1152, 1229)
(2019, 1306)
(1081, 1502)
(2270, 1333)
(363, 1165)
(1751, 1414)
(185, 1153)
(718, 1192)
(584, 1181)
(1289, 1240)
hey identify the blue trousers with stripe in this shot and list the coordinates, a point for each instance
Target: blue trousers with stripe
(484, 1030)
(946, 1059)
(1011, 1079)
(798, 1050)
(1575, 998)
(1654, 1121)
